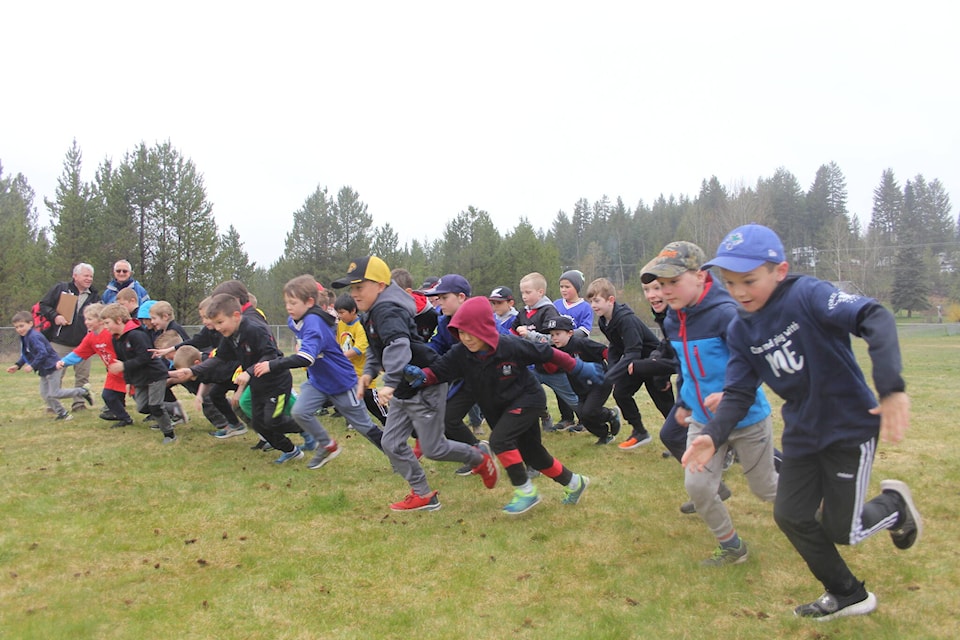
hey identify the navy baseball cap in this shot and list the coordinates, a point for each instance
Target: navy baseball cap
(450, 283)
(746, 248)
(501, 293)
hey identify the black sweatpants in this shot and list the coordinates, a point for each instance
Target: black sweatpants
(837, 478)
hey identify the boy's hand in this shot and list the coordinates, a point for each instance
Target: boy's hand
(698, 454)
(242, 380)
(712, 401)
(589, 373)
(261, 368)
(362, 383)
(28, 368)
(385, 395)
(59, 364)
(116, 367)
(414, 376)
(522, 330)
(159, 353)
(681, 415)
(179, 376)
(894, 412)
(12, 369)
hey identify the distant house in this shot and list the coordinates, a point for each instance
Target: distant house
(848, 286)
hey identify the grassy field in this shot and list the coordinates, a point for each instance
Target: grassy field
(107, 534)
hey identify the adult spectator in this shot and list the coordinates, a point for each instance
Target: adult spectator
(123, 278)
(66, 332)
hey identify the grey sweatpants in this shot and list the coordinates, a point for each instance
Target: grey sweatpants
(423, 412)
(754, 446)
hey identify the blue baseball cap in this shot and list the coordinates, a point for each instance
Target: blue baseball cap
(746, 248)
(144, 311)
(450, 283)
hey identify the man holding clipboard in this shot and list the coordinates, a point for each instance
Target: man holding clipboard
(63, 306)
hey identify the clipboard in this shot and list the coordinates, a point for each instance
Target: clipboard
(67, 306)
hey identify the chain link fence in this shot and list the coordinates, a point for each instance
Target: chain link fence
(10, 341)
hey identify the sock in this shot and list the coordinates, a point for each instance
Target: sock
(731, 543)
(575, 482)
(526, 488)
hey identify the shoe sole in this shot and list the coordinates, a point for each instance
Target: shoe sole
(279, 461)
(638, 445)
(229, 434)
(862, 608)
(530, 506)
(325, 460)
(901, 487)
(426, 507)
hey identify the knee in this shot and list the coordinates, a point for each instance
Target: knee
(701, 486)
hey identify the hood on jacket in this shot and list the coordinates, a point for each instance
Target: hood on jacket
(475, 316)
(393, 294)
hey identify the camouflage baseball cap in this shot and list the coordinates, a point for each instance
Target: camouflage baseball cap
(672, 261)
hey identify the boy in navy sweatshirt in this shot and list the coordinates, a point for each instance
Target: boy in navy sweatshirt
(793, 333)
(36, 354)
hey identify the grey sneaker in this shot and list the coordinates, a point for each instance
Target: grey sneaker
(724, 556)
(724, 493)
(547, 424)
(229, 432)
(911, 524)
(324, 455)
(572, 496)
(169, 438)
(830, 606)
(63, 417)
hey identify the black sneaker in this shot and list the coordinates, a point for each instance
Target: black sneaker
(563, 425)
(607, 439)
(830, 606)
(86, 396)
(108, 415)
(910, 524)
(614, 422)
(120, 422)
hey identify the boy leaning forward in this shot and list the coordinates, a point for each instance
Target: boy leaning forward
(393, 344)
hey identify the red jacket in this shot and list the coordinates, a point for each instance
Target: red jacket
(101, 344)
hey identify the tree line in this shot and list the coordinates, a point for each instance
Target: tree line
(151, 208)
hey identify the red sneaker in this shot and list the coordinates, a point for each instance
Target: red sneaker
(417, 451)
(413, 502)
(488, 471)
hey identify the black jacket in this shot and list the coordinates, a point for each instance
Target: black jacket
(72, 334)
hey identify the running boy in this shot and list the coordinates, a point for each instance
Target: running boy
(36, 354)
(570, 304)
(504, 308)
(330, 376)
(530, 324)
(494, 370)
(247, 341)
(138, 366)
(98, 341)
(394, 344)
(629, 340)
(597, 419)
(793, 334)
(696, 326)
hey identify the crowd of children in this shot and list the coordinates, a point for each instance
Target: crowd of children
(421, 361)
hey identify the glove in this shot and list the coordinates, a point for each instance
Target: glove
(414, 376)
(589, 373)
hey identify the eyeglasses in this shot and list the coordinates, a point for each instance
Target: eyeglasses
(121, 270)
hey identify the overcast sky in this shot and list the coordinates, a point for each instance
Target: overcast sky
(517, 108)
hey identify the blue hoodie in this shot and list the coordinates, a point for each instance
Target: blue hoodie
(698, 334)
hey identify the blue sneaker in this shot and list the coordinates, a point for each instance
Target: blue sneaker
(522, 502)
(296, 454)
(572, 496)
(309, 442)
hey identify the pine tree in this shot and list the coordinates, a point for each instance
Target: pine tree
(233, 262)
(70, 215)
(24, 275)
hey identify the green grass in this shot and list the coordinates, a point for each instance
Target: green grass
(107, 534)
